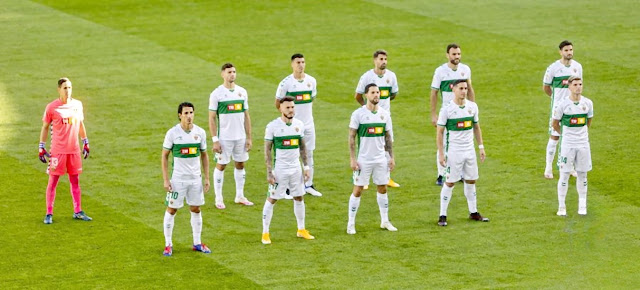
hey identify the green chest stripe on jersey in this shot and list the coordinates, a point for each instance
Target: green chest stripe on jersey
(231, 107)
(372, 130)
(460, 124)
(560, 82)
(385, 92)
(577, 120)
(186, 150)
(447, 86)
(301, 97)
(286, 142)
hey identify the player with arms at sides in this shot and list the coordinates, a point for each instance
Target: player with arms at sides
(66, 118)
(372, 126)
(456, 151)
(387, 83)
(284, 137)
(572, 117)
(443, 79)
(230, 128)
(302, 87)
(187, 143)
(555, 85)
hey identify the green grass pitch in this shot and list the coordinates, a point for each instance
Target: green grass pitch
(132, 62)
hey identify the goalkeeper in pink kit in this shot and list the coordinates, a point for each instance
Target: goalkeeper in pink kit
(65, 117)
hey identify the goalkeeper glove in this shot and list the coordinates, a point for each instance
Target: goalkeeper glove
(42, 153)
(85, 149)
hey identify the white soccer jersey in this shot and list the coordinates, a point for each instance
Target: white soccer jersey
(387, 83)
(303, 93)
(185, 148)
(286, 142)
(556, 77)
(459, 120)
(573, 118)
(371, 127)
(443, 78)
(230, 106)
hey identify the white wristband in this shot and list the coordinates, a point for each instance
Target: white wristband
(306, 167)
(480, 146)
(214, 139)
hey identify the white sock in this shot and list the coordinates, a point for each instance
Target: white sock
(445, 197)
(354, 203)
(383, 205)
(239, 175)
(440, 167)
(168, 228)
(551, 153)
(311, 169)
(470, 193)
(218, 180)
(563, 186)
(267, 214)
(298, 210)
(196, 227)
(581, 185)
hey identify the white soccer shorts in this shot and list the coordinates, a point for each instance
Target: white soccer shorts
(379, 171)
(189, 189)
(578, 158)
(291, 179)
(232, 148)
(461, 164)
(553, 132)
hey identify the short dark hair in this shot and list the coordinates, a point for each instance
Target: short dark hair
(452, 45)
(379, 52)
(62, 81)
(564, 43)
(573, 78)
(456, 82)
(366, 88)
(296, 55)
(287, 99)
(226, 66)
(184, 104)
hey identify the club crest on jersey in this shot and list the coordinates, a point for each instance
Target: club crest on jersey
(308, 85)
(234, 107)
(188, 150)
(382, 118)
(469, 110)
(303, 97)
(196, 137)
(464, 124)
(462, 74)
(297, 129)
(578, 121)
(290, 142)
(375, 130)
(388, 81)
(584, 108)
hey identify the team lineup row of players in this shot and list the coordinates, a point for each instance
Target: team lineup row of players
(231, 132)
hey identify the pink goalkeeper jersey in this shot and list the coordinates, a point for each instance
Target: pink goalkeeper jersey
(65, 120)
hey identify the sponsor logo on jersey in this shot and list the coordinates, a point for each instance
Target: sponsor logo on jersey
(234, 107)
(565, 82)
(290, 142)
(303, 97)
(384, 93)
(375, 130)
(464, 124)
(578, 121)
(189, 150)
